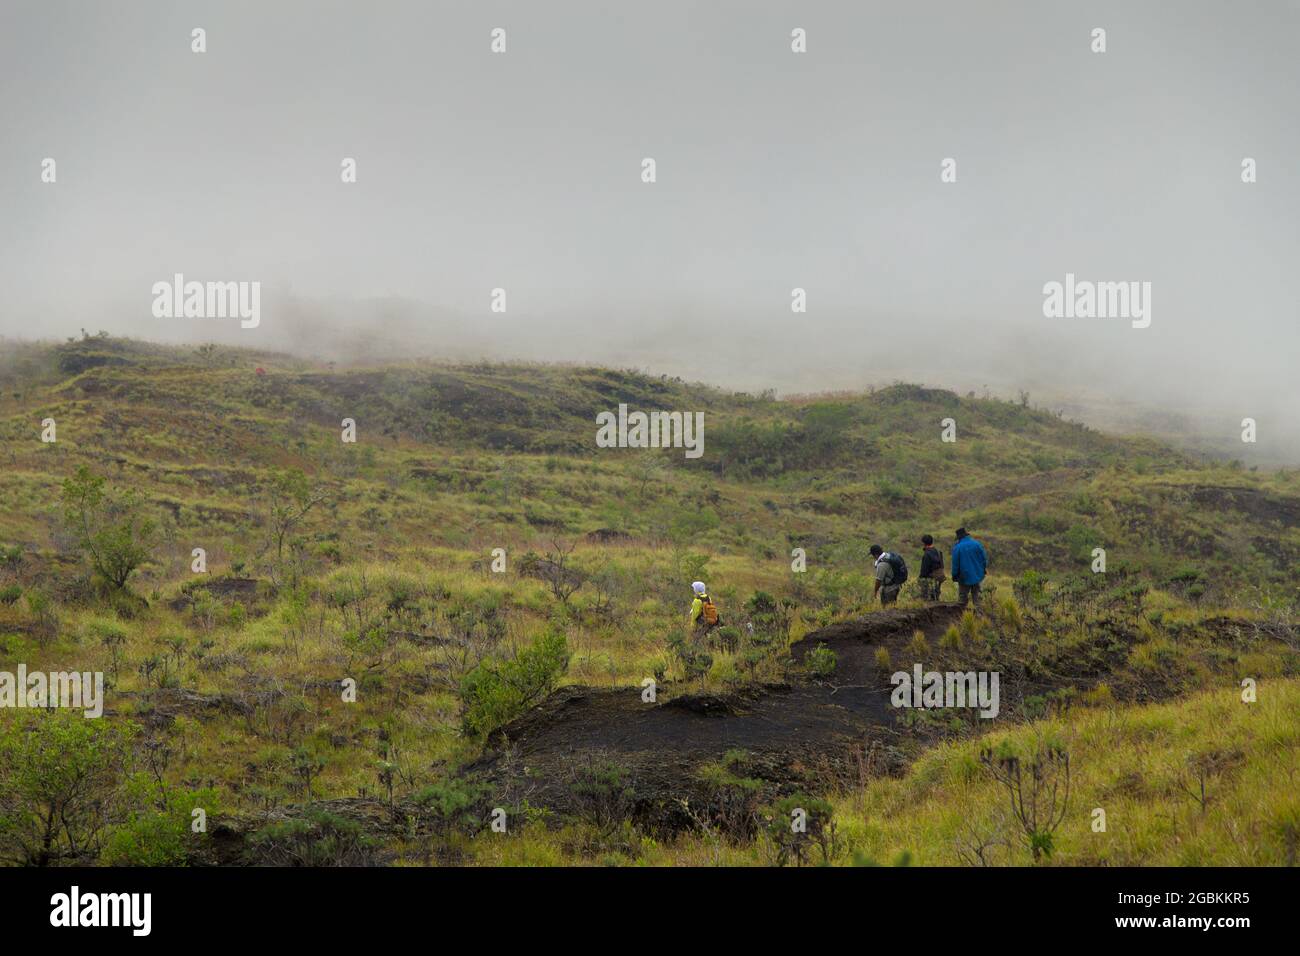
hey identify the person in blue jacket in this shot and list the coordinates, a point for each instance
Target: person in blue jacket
(969, 560)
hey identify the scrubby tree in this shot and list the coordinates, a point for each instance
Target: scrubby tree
(1039, 791)
(563, 579)
(799, 823)
(61, 778)
(290, 496)
(109, 525)
(497, 690)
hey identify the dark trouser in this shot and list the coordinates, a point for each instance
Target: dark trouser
(968, 592)
(930, 589)
(889, 593)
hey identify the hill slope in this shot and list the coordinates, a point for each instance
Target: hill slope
(377, 562)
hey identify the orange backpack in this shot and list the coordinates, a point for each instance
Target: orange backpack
(708, 611)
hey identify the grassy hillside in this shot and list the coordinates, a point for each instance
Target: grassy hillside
(372, 561)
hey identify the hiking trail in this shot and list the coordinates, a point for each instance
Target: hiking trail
(793, 735)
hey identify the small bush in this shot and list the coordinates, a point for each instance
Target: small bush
(797, 824)
(604, 798)
(450, 804)
(42, 611)
(160, 837)
(106, 630)
(732, 804)
(317, 838)
(821, 661)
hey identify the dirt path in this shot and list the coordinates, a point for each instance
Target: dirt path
(798, 735)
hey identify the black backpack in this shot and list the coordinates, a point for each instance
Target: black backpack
(899, 565)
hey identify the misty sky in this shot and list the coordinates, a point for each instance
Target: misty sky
(775, 170)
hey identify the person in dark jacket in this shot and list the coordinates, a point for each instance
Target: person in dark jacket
(932, 576)
(969, 561)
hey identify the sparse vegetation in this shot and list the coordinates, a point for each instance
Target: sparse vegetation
(374, 563)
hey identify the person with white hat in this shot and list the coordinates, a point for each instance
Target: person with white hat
(704, 613)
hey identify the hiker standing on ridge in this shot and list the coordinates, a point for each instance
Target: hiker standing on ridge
(932, 576)
(969, 560)
(704, 613)
(891, 572)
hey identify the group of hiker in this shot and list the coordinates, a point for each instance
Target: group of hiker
(969, 563)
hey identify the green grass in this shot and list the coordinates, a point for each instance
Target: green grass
(1139, 765)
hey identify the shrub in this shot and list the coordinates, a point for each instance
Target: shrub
(1080, 540)
(1038, 787)
(603, 797)
(1030, 588)
(797, 824)
(42, 611)
(498, 690)
(61, 782)
(891, 491)
(761, 603)
(108, 525)
(696, 663)
(450, 804)
(106, 630)
(159, 837)
(770, 618)
(821, 661)
(732, 800)
(727, 636)
(317, 838)
(10, 594)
